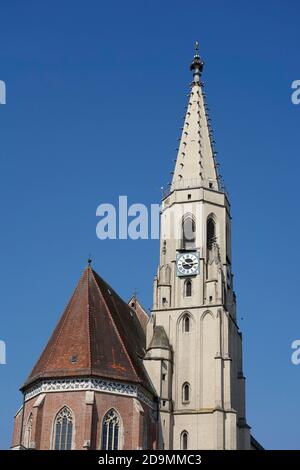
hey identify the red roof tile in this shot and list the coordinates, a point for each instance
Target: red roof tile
(97, 335)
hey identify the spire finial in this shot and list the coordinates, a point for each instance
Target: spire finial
(197, 64)
(90, 259)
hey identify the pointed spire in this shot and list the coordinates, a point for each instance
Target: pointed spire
(195, 164)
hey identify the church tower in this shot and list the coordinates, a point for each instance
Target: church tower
(194, 346)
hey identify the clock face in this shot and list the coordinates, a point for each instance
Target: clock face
(187, 264)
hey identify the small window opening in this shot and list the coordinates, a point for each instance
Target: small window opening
(188, 288)
(185, 393)
(184, 440)
(188, 233)
(186, 324)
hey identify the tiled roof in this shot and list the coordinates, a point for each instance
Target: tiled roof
(97, 335)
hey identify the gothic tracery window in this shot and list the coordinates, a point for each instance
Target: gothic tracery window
(111, 431)
(63, 429)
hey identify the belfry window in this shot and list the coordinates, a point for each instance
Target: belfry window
(188, 288)
(186, 393)
(210, 233)
(186, 324)
(184, 440)
(111, 431)
(63, 429)
(188, 233)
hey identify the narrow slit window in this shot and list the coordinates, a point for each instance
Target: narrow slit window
(211, 233)
(184, 440)
(185, 393)
(188, 288)
(186, 324)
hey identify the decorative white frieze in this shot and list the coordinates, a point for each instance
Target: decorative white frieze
(96, 385)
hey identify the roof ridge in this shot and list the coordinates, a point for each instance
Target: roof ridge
(88, 269)
(115, 327)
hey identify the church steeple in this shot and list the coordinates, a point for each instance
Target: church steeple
(195, 163)
(198, 373)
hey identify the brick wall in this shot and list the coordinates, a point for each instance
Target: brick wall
(88, 411)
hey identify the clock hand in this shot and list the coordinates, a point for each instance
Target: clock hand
(188, 265)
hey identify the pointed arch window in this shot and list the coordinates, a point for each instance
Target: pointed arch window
(111, 427)
(63, 429)
(184, 439)
(188, 233)
(28, 433)
(210, 233)
(186, 393)
(188, 288)
(186, 324)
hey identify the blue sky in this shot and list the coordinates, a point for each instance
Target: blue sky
(95, 98)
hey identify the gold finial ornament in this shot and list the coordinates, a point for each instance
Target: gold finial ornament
(196, 47)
